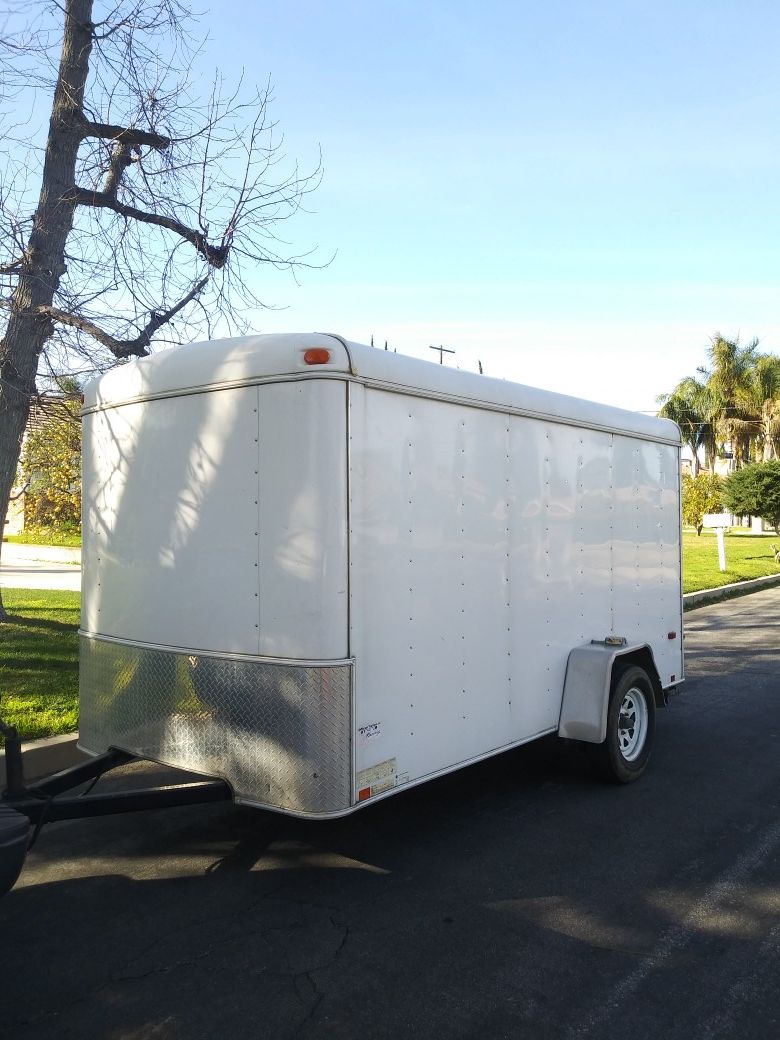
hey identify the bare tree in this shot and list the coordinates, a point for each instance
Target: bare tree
(152, 205)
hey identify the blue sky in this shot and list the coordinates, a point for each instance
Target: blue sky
(578, 195)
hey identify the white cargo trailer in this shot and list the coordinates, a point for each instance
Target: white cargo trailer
(326, 573)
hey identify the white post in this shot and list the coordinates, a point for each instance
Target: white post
(721, 547)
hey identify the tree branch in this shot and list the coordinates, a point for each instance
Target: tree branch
(22, 491)
(128, 135)
(121, 158)
(215, 256)
(122, 348)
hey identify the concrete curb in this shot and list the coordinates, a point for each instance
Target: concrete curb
(49, 755)
(692, 600)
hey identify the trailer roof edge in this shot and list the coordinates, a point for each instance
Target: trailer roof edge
(248, 360)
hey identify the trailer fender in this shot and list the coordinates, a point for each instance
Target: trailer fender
(587, 685)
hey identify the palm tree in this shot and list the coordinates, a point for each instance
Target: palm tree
(766, 401)
(731, 384)
(690, 405)
(734, 401)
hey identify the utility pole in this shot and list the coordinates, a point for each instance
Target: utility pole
(442, 351)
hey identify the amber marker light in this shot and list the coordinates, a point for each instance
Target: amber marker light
(316, 356)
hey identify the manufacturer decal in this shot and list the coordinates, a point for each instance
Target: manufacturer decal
(375, 779)
(371, 729)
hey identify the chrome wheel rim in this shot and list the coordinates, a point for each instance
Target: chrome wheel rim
(632, 724)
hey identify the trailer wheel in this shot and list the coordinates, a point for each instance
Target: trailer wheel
(624, 754)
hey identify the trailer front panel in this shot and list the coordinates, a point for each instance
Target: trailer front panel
(214, 631)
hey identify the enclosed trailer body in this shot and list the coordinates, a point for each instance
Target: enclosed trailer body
(326, 572)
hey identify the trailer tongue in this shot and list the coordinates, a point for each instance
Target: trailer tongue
(25, 808)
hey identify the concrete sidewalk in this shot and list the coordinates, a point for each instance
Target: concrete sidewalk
(13, 553)
(40, 567)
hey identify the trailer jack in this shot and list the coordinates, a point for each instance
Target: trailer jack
(25, 808)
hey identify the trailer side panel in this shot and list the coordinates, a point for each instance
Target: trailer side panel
(484, 547)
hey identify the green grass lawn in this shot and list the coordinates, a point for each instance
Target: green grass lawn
(747, 556)
(39, 644)
(45, 536)
(39, 662)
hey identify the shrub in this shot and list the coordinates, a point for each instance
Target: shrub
(755, 491)
(700, 495)
(51, 471)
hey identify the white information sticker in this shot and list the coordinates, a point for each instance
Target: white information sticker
(378, 778)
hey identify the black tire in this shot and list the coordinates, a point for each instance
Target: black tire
(623, 756)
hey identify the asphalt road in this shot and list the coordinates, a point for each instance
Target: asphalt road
(519, 898)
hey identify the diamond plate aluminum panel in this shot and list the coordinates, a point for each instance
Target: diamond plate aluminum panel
(279, 733)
